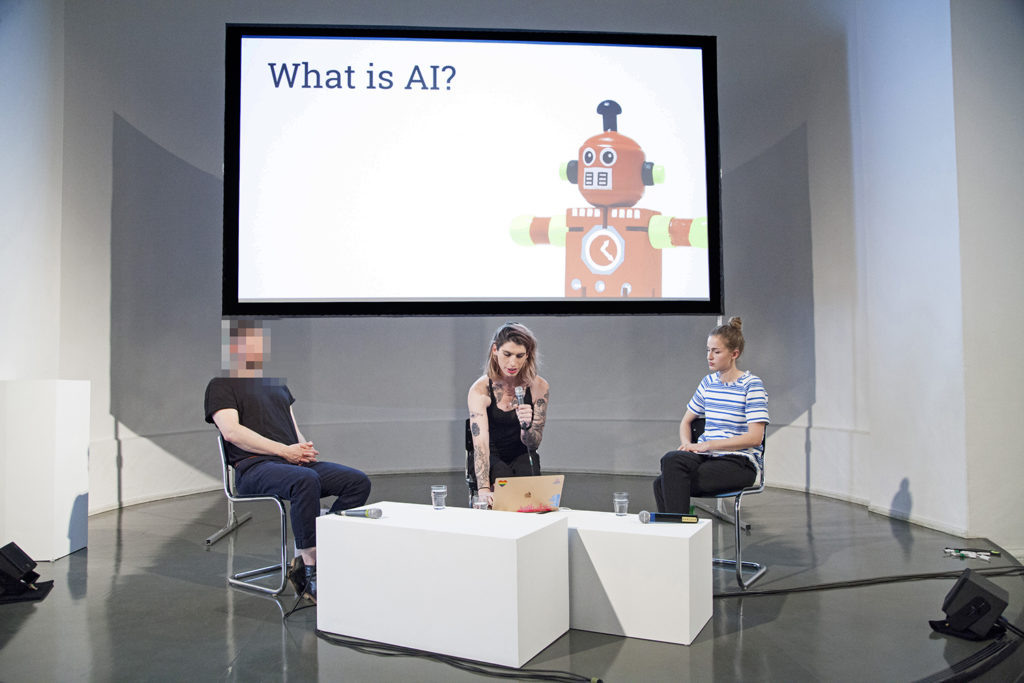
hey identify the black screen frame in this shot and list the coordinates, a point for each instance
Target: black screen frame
(231, 306)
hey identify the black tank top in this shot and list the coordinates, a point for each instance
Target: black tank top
(504, 428)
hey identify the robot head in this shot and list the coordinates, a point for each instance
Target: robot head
(610, 169)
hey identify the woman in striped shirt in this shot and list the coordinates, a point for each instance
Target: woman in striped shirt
(734, 404)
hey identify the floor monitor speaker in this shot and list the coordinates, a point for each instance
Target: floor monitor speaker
(974, 603)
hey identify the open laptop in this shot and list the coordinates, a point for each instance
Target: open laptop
(528, 494)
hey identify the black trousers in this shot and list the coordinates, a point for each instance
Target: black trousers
(303, 486)
(525, 465)
(685, 474)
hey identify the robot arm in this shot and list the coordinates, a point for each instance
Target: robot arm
(529, 230)
(667, 231)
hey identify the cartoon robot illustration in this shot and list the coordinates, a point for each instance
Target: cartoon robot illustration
(611, 248)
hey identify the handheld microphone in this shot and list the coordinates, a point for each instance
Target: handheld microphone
(657, 517)
(521, 398)
(371, 513)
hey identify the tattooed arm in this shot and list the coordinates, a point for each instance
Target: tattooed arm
(532, 436)
(478, 427)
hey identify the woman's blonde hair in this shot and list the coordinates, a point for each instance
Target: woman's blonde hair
(517, 334)
(731, 334)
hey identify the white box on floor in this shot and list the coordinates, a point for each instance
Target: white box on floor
(648, 581)
(44, 466)
(477, 584)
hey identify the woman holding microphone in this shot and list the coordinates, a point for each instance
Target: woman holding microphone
(508, 408)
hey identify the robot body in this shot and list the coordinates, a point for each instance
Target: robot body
(614, 251)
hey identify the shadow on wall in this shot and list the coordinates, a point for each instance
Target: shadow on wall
(768, 271)
(165, 248)
(899, 512)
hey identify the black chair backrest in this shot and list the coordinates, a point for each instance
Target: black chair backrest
(470, 461)
(697, 428)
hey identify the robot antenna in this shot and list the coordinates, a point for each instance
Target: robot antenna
(609, 109)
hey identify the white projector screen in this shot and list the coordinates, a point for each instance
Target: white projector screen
(397, 171)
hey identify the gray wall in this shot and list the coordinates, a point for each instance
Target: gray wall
(833, 201)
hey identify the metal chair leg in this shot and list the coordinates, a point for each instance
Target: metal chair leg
(720, 513)
(744, 584)
(738, 563)
(234, 521)
(717, 512)
(243, 579)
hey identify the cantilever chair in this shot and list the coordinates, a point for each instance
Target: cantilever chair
(697, 428)
(244, 579)
(470, 465)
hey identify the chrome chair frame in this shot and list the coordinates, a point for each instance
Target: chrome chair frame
(244, 579)
(739, 527)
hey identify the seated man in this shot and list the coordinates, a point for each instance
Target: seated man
(269, 453)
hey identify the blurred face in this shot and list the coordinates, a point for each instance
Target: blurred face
(511, 358)
(720, 358)
(247, 350)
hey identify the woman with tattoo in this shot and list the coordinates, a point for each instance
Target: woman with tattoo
(508, 407)
(734, 404)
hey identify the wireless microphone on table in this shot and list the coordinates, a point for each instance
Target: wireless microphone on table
(372, 513)
(674, 517)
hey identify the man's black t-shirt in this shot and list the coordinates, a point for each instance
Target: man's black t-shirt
(263, 405)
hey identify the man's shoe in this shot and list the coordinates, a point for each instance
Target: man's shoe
(309, 590)
(297, 574)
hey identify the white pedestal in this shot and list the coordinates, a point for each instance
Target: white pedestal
(44, 466)
(477, 584)
(648, 581)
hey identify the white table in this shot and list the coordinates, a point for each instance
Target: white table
(648, 581)
(478, 584)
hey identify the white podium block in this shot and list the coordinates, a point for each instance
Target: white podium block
(649, 581)
(476, 584)
(44, 466)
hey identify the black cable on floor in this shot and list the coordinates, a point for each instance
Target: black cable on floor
(971, 667)
(494, 670)
(295, 608)
(1011, 570)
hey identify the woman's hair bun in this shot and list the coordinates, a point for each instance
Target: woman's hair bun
(736, 322)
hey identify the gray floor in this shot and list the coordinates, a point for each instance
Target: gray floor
(147, 601)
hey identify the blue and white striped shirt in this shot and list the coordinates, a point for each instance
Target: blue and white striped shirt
(728, 407)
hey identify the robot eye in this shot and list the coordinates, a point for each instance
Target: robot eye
(588, 156)
(608, 156)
